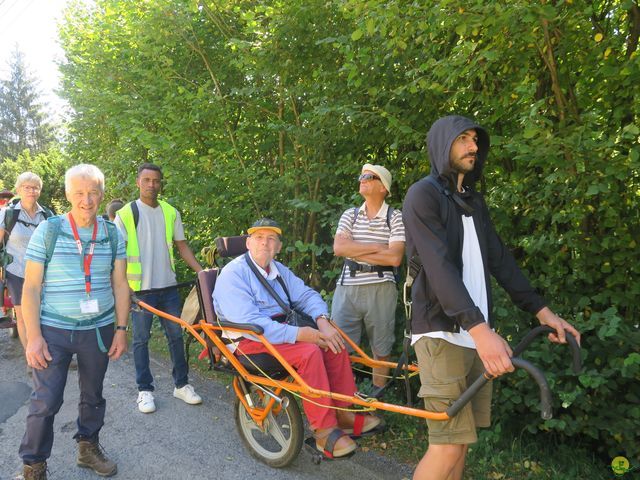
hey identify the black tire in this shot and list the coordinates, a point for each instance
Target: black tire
(280, 443)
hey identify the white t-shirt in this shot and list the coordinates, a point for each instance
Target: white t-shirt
(473, 279)
(154, 251)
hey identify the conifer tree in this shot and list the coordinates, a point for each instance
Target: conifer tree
(24, 122)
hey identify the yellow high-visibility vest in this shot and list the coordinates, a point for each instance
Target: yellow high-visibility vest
(134, 266)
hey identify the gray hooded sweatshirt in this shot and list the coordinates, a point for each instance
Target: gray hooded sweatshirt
(434, 231)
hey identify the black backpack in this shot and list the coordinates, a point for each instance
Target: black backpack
(12, 215)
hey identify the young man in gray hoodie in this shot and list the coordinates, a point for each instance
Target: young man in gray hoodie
(449, 232)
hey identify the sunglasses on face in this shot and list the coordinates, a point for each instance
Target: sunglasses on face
(368, 176)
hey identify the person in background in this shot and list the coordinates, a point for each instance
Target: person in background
(152, 228)
(5, 196)
(371, 238)
(112, 207)
(18, 220)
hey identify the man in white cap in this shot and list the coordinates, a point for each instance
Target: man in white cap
(371, 238)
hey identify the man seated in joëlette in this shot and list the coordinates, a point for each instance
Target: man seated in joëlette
(318, 355)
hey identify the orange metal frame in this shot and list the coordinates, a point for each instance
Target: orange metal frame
(294, 383)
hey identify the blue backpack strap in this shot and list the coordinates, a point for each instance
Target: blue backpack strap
(112, 232)
(51, 237)
(53, 230)
(47, 212)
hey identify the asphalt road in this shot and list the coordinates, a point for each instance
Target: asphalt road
(178, 441)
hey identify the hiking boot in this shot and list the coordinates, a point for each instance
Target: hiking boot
(37, 471)
(187, 394)
(90, 455)
(145, 402)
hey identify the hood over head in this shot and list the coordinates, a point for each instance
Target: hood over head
(440, 138)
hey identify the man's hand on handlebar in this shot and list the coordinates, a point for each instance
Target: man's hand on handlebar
(492, 349)
(550, 319)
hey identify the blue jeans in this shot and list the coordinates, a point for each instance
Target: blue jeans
(169, 302)
(49, 384)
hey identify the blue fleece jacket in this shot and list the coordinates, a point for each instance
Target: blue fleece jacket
(239, 297)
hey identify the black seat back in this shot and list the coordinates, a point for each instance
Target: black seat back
(229, 247)
(226, 247)
(206, 282)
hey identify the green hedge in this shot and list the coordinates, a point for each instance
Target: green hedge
(271, 107)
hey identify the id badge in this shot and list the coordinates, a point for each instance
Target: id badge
(89, 305)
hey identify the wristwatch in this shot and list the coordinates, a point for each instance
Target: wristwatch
(122, 327)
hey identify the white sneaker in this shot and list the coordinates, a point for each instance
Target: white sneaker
(145, 402)
(187, 394)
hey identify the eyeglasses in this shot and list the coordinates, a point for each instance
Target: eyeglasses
(368, 176)
(30, 188)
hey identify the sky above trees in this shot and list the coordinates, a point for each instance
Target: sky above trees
(32, 26)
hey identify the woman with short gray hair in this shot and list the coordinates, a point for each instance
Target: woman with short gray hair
(18, 220)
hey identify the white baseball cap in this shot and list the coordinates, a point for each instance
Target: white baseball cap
(382, 173)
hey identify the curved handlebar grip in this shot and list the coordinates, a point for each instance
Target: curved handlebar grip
(535, 372)
(467, 395)
(571, 340)
(538, 376)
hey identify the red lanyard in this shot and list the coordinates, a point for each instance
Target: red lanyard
(89, 257)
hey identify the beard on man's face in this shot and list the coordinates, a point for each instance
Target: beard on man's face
(465, 163)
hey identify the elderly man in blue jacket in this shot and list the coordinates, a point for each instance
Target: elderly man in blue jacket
(317, 352)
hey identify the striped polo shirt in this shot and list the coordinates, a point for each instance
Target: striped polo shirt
(63, 287)
(370, 231)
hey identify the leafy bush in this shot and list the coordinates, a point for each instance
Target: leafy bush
(270, 108)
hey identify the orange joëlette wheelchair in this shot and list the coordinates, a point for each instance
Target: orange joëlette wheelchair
(267, 415)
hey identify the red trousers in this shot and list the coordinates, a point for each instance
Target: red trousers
(322, 370)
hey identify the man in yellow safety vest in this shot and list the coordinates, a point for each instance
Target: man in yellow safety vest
(151, 227)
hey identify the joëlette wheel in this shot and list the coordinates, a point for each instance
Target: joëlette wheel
(279, 442)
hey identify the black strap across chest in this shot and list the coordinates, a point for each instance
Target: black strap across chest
(286, 308)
